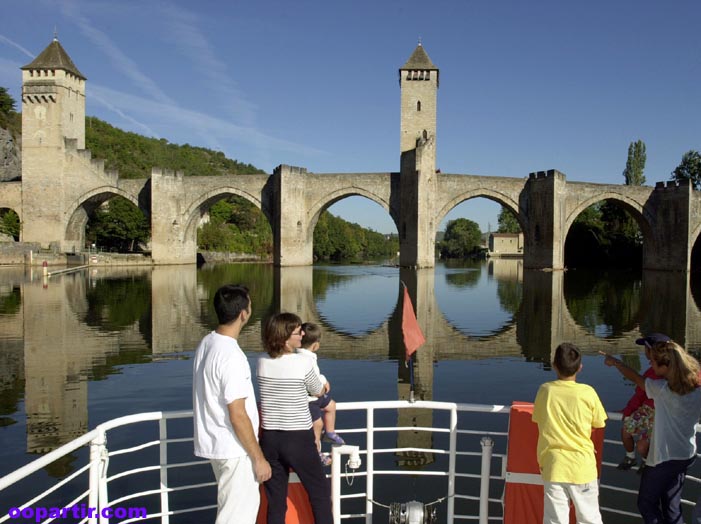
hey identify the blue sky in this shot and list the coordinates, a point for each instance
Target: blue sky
(525, 85)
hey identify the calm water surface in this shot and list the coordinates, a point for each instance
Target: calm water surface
(82, 348)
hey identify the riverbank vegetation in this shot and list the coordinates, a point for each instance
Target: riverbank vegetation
(236, 225)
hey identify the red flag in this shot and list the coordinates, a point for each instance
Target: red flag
(413, 337)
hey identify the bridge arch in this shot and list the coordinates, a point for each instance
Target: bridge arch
(694, 236)
(482, 192)
(331, 198)
(81, 208)
(695, 250)
(193, 214)
(642, 217)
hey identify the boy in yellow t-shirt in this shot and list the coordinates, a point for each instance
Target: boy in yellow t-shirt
(566, 412)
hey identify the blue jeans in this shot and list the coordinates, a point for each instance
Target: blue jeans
(659, 497)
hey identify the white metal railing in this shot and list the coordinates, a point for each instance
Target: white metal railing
(96, 473)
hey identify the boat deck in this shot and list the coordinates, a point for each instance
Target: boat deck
(451, 457)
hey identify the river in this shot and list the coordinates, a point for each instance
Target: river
(78, 349)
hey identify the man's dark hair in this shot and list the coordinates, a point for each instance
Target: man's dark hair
(229, 301)
(312, 333)
(567, 359)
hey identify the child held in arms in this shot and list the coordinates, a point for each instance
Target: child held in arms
(322, 409)
(639, 413)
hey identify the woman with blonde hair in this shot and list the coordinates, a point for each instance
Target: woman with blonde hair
(677, 399)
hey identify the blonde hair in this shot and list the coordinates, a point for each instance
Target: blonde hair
(682, 369)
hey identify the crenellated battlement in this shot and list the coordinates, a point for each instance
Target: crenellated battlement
(671, 185)
(85, 154)
(159, 171)
(550, 173)
(294, 170)
(97, 165)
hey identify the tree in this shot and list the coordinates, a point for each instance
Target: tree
(7, 103)
(9, 223)
(9, 118)
(635, 165)
(621, 234)
(689, 169)
(462, 238)
(119, 224)
(507, 222)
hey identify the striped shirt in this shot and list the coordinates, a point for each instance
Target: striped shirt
(285, 383)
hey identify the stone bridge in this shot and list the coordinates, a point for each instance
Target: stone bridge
(62, 185)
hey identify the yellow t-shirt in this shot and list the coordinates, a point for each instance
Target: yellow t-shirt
(566, 412)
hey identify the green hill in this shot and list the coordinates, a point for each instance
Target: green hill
(134, 155)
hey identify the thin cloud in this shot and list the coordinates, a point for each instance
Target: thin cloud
(183, 31)
(10, 74)
(173, 116)
(111, 107)
(123, 63)
(16, 45)
(130, 68)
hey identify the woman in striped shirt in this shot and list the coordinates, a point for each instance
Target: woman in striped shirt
(285, 380)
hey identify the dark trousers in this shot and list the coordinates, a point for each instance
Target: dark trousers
(296, 450)
(659, 498)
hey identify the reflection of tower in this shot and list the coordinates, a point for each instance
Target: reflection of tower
(61, 349)
(11, 349)
(175, 309)
(293, 290)
(420, 284)
(418, 79)
(53, 113)
(540, 323)
(668, 306)
(56, 393)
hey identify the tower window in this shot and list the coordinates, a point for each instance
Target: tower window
(428, 75)
(418, 105)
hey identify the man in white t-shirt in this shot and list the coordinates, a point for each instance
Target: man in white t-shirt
(225, 411)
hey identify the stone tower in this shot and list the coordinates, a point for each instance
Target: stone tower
(53, 115)
(418, 80)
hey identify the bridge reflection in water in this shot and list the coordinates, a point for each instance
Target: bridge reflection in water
(57, 335)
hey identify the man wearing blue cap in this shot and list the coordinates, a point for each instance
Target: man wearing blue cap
(639, 413)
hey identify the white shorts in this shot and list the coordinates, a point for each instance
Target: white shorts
(585, 498)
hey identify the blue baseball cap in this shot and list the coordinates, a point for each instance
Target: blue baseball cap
(652, 339)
